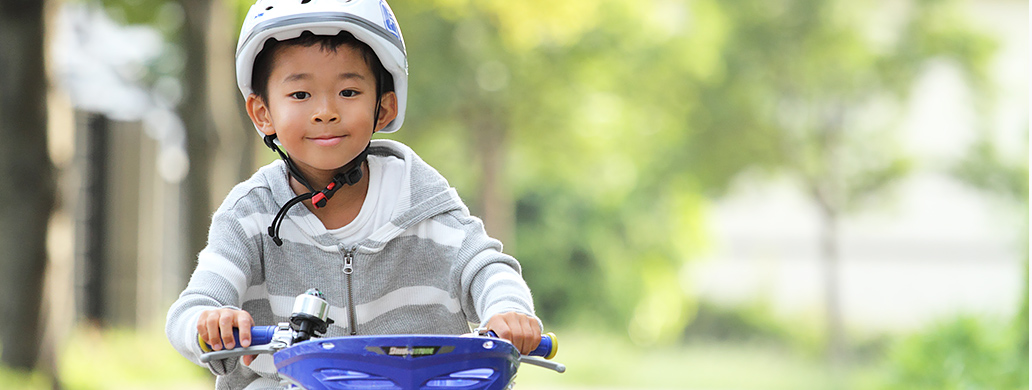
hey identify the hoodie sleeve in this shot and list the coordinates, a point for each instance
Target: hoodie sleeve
(222, 275)
(492, 282)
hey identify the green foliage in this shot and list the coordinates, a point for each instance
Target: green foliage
(965, 353)
(754, 324)
(810, 89)
(985, 167)
(165, 15)
(587, 149)
(618, 117)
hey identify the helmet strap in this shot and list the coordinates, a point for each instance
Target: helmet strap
(350, 175)
(379, 97)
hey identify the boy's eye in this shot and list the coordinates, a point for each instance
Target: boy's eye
(348, 93)
(300, 95)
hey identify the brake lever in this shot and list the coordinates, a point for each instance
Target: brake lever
(236, 352)
(536, 361)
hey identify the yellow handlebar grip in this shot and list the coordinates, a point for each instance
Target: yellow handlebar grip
(555, 345)
(204, 346)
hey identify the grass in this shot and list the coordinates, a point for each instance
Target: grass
(114, 360)
(15, 379)
(598, 361)
(122, 359)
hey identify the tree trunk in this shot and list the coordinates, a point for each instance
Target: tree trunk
(237, 137)
(829, 195)
(94, 142)
(832, 302)
(495, 196)
(27, 193)
(200, 129)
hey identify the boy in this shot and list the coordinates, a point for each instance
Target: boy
(369, 223)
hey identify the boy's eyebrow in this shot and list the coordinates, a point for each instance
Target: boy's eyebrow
(305, 76)
(297, 77)
(350, 75)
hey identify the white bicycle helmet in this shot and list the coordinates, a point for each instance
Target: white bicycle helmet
(370, 21)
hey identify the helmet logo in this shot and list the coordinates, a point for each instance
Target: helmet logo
(389, 22)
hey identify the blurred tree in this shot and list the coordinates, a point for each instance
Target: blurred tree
(560, 126)
(205, 48)
(28, 190)
(201, 137)
(810, 89)
(989, 168)
(616, 116)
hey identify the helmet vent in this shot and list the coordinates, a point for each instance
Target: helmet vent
(305, 1)
(268, 8)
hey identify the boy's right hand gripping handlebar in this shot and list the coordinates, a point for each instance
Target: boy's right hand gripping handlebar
(260, 335)
(264, 339)
(308, 319)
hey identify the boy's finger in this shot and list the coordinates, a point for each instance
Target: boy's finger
(531, 334)
(528, 335)
(501, 329)
(212, 329)
(202, 327)
(226, 329)
(244, 323)
(516, 332)
(248, 358)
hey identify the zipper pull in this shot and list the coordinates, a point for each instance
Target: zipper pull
(349, 256)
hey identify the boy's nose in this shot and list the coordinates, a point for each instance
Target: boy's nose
(326, 114)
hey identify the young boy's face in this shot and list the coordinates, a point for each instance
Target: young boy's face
(321, 105)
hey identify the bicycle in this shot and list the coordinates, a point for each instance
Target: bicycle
(304, 360)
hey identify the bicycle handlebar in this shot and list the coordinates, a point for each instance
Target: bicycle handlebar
(261, 335)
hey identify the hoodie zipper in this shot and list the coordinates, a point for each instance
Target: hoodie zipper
(349, 268)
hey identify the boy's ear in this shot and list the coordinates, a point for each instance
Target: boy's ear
(388, 110)
(259, 113)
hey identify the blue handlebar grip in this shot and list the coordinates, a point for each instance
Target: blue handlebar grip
(547, 349)
(260, 335)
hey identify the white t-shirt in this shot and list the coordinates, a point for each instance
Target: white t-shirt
(385, 176)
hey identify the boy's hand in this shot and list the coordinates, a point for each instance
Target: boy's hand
(522, 330)
(216, 329)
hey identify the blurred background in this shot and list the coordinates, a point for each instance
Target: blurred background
(704, 194)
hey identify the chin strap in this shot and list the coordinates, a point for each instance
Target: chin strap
(350, 175)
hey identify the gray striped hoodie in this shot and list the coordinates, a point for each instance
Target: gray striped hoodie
(431, 270)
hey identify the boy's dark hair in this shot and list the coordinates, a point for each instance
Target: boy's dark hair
(263, 61)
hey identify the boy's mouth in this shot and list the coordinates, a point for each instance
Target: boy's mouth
(327, 140)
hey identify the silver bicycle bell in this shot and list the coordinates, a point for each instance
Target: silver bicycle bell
(309, 316)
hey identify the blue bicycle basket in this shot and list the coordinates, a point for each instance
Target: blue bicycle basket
(402, 362)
